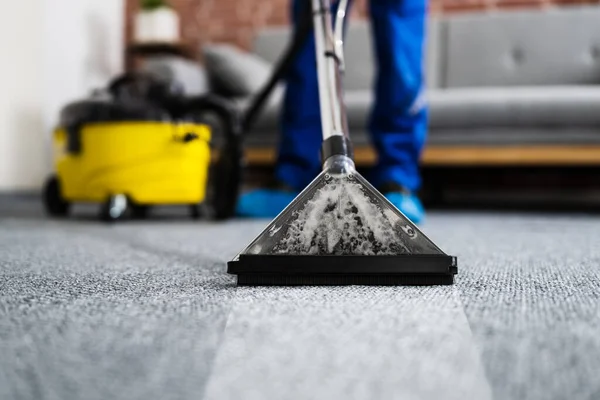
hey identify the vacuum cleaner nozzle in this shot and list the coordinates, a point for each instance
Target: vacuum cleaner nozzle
(341, 230)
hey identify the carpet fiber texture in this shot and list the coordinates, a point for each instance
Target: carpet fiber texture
(145, 310)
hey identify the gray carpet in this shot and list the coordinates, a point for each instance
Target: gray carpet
(144, 310)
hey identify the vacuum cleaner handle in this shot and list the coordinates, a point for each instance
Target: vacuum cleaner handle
(329, 55)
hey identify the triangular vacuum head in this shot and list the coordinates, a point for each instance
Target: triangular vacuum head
(341, 230)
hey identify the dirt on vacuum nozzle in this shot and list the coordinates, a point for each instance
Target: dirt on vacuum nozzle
(341, 214)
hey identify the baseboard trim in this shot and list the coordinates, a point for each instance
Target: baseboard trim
(530, 155)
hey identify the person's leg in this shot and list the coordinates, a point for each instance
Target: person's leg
(298, 156)
(398, 122)
(298, 160)
(300, 138)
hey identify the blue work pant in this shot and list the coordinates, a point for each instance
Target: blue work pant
(398, 118)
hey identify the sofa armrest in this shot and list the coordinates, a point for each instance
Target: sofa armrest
(191, 75)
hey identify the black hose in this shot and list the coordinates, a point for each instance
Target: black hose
(303, 29)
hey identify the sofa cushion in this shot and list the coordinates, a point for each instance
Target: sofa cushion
(539, 47)
(534, 106)
(270, 43)
(513, 136)
(190, 74)
(239, 72)
(469, 108)
(358, 104)
(359, 57)
(269, 115)
(436, 40)
(265, 130)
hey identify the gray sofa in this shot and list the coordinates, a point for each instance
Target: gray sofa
(494, 79)
(502, 78)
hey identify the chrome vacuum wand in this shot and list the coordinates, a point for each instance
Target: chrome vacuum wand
(336, 148)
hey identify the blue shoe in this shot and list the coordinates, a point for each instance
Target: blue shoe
(405, 201)
(268, 203)
(264, 203)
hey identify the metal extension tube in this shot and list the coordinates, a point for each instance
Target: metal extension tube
(329, 55)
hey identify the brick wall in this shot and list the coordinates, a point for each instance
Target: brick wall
(236, 21)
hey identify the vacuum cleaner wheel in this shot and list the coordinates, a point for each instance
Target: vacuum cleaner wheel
(54, 203)
(115, 208)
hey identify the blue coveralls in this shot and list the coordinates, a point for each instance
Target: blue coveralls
(398, 120)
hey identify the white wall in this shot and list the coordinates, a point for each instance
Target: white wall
(54, 51)
(21, 102)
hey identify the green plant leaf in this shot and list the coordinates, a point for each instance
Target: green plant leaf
(151, 5)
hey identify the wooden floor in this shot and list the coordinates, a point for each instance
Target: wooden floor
(530, 155)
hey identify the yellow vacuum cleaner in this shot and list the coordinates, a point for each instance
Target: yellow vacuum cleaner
(143, 145)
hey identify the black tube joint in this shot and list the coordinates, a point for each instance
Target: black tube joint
(336, 145)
